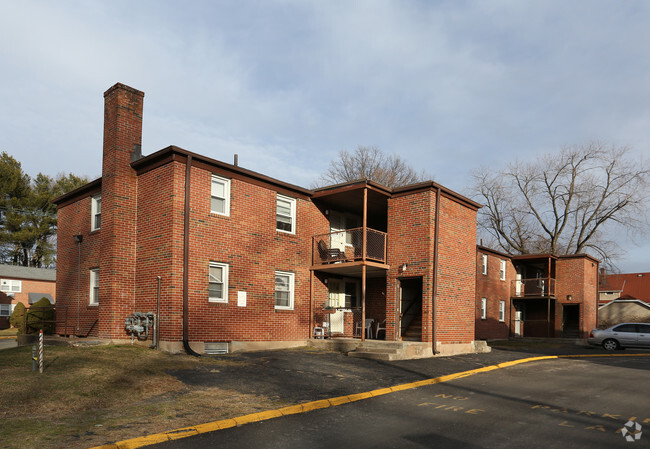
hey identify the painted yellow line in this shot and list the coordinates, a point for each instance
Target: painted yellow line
(9, 337)
(135, 443)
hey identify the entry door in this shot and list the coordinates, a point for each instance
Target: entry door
(336, 300)
(518, 286)
(337, 230)
(519, 319)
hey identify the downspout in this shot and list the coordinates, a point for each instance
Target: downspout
(436, 234)
(186, 258)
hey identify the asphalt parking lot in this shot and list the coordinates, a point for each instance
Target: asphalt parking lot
(593, 402)
(579, 402)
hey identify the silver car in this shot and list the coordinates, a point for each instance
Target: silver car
(625, 335)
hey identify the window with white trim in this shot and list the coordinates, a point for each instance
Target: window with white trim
(95, 212)
(220, 196)
(5, 309)
(286, 214)
(502, 311)
(11, 285)
(483, 308)
(94, 287)
(502, 270)
(284, 289)
(484, 262)
(218, 282)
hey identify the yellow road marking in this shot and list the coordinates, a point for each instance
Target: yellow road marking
(135, 443)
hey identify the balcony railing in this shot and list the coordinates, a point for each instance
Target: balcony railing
(347, 246)
(533, 287)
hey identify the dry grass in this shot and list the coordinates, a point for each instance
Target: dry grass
(96, 395)
(11, 332)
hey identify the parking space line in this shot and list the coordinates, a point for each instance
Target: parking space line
(135, 443)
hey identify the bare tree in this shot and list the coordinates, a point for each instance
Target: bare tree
(370, 163)
(566, 203)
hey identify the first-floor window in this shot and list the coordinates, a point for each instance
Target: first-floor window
(5, 309)
(502, 311)
(284, 286)
(483, 308)
(94, 287)
(218, 282)
(11, 285)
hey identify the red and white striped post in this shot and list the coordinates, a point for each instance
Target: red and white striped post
(40, 351)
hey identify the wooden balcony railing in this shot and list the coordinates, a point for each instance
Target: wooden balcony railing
(533, 287)
(347, 246)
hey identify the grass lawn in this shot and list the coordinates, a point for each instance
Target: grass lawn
(11, 332)
(88, 396)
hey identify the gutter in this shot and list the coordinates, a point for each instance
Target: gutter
(186, 258)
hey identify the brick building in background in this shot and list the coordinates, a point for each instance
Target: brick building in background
(234, 259)
(535, 295)
(24, 285)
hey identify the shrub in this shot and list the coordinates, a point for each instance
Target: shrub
(17, 318)
(41, 316)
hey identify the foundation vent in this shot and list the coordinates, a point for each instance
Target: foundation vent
(216, 348)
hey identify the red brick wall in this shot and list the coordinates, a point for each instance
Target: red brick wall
(578, 277)
(456, 274)
(493, 289)
(72, 275)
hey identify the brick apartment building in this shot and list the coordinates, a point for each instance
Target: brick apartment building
(230, 257)
(535, 295)
(25, 285)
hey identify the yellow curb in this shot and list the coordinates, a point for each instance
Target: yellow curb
(135, 443)
(8, 338)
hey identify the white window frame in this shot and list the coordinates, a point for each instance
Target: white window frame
(502, 270)
(11, 286)
(93, 281)
(224, 281)
(292, 288)
(95, 211)
(484, 261)
(292, 208)
(502, 311)
(483, 308)
(226, 192)
(5, 310)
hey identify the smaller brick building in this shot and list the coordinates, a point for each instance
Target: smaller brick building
(24, 285)
(535, 295)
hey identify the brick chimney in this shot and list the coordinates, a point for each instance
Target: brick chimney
(122, 144)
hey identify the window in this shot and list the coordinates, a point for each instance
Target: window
(218, 282)
(95, 212)
(286, 214)
(502, 311)
(5, 309)
(284, 290)
(220, 196)
(94, 287)
(502, 270)
(484, 263)
(11, 286)
(483, 308)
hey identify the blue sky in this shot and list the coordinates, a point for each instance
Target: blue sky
(451, 86)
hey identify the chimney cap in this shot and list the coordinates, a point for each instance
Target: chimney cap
(121, 86)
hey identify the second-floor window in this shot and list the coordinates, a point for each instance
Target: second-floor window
(10, 286)
(502, 270)
(286, 214)
(95, 212)
(220, 196)
(484, 261)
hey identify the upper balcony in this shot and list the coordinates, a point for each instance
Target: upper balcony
(348, 246)
(533, 288)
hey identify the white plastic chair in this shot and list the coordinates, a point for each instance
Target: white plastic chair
(381, 326)
(369, 321)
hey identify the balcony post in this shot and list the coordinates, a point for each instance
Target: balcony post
(363, 302)
(365, 224)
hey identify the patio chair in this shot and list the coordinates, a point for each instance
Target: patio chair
(381, 326)
(357, 329)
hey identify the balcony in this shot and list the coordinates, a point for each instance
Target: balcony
(347, 246)
(533, 288)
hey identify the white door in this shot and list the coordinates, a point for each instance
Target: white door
(518, 316)
(337, 231)
(336, 299)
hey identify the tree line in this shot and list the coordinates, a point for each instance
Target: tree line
(27, 215)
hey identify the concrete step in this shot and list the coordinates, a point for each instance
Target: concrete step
(374, 355)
